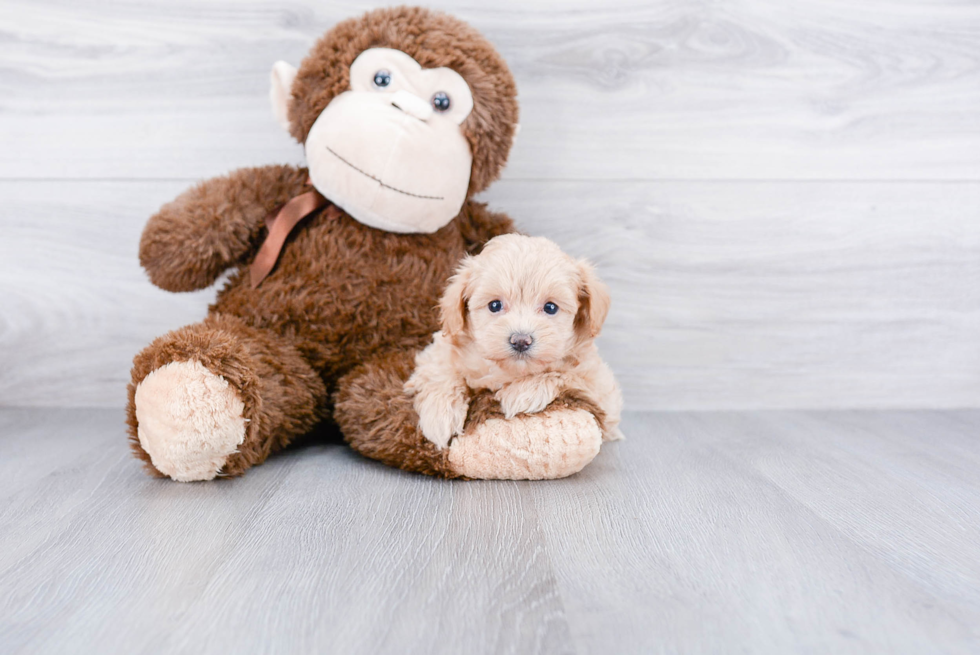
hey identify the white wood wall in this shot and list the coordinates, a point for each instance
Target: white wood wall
(784, 195)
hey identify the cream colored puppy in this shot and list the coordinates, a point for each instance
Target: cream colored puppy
(519, 319)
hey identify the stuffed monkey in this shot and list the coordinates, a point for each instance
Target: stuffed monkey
(337, 268)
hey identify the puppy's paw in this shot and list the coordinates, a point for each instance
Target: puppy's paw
(440, 419)
(528, 396)
(512, 405)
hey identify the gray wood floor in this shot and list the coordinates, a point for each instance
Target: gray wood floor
(774, 532)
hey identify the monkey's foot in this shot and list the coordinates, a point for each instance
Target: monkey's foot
(189, 420)
(554, 444)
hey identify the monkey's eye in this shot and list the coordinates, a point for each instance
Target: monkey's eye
(440, 101)
(382, 78)
(495, 306)
(550, 308)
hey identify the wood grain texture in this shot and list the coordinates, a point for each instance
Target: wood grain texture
(713, 158)
(752, 89)
(702, 532)
(773, 532)
(725, 295)
(76, 306)
(322, 551)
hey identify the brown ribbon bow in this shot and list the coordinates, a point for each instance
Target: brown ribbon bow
(279, 227)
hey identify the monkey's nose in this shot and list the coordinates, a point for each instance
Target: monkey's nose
(520, 342)
(412, 105)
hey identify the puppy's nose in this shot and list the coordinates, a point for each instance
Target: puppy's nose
(520, 342)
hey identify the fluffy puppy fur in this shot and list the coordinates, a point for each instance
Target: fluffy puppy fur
(519, 319)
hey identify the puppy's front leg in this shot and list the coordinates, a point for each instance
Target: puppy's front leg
(529, 395)
(441, 415)
(440, 394)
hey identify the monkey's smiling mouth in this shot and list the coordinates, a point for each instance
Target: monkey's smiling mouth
(379, 181)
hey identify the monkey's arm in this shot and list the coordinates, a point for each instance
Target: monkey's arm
(478, 225)
(214, 225)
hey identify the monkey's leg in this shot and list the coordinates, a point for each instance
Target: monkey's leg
(554, 443)
(217, 397)
(379, 421)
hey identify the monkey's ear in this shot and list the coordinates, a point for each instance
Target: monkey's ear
(452, 306)
(283, 75)
(593, 302)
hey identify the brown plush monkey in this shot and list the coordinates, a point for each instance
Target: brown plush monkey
(405, 114)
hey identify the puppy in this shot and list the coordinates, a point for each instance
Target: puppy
(519, 319)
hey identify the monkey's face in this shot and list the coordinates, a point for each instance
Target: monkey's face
(390, 150)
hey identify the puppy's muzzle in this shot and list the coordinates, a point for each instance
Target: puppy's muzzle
(520, 342)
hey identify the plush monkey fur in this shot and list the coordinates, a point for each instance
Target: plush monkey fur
(330, 335)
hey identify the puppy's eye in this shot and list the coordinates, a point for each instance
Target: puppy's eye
(382, 78)
(550, 308)
(495, 306)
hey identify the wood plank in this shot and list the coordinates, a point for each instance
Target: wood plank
(735, 295)
(753, 89)
(767, 295)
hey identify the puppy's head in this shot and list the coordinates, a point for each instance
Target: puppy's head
(523, 302)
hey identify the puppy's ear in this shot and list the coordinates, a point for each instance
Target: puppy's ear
(593, 302)
(452, 306)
